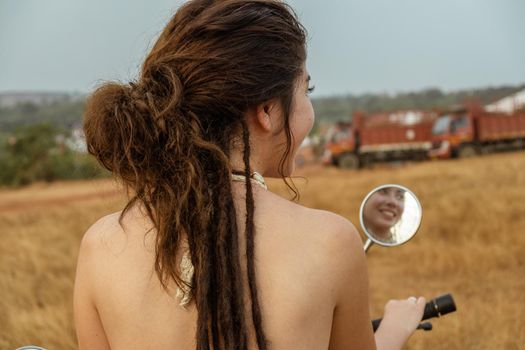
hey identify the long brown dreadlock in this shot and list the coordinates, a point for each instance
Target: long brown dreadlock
(169, 136)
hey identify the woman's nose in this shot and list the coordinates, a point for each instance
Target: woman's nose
(391, 201)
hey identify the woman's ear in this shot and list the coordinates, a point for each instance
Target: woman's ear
(267, 115)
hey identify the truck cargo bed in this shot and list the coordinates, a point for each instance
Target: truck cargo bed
(499, 126)
(396, 137)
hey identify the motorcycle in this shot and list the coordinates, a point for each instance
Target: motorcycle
(390, 215)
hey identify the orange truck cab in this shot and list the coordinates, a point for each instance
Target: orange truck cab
(469, 131)
(453, 135)
(341, 146)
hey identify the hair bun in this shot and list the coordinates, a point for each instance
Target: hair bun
(112, 126)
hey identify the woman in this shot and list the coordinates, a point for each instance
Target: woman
(201, 257)
(382, 213)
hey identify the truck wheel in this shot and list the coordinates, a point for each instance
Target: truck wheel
(349, 161)
(419, 156)
(467, 151)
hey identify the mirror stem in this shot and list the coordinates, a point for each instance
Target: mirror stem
(368, 244)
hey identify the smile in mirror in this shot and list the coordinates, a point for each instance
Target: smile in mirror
(382, 211)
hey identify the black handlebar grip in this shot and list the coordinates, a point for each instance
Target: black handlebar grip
(437, 307)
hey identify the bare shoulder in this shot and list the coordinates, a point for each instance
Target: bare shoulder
(329, 239)
(96, 246)
(107, 246)
(110, 244)
(333, 230)
(100, 231)
(341, 244)
(337, 227)
(107, 235)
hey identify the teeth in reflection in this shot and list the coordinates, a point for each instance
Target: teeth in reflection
(389, 213)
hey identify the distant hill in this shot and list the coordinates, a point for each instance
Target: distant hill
(63, 113)
(12, 99)
(65, 110)
(330, 109)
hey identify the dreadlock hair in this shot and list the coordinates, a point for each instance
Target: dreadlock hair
(168, 137)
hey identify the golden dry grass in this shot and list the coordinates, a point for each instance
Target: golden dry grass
(471, 243)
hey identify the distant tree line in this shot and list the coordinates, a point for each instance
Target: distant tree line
(39, 152)
(330, 109)
(61, 114)
(66, 114)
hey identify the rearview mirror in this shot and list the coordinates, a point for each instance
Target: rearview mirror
(390, 215)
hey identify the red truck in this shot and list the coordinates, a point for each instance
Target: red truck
(386, 136)
(466, 132)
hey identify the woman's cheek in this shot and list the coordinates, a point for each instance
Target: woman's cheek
(312, 116)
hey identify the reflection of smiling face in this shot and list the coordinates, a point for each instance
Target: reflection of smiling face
(383, 209)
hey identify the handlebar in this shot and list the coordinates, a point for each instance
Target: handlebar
(437, 307)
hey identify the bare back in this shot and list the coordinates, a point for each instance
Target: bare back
(295, 276)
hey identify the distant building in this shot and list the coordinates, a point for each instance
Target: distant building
(509, 104)
(77, 141)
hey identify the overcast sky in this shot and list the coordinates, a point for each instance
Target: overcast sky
(355, 46)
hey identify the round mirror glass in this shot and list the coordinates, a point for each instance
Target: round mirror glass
(390, 215)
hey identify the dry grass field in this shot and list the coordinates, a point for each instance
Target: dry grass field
(471, 244)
